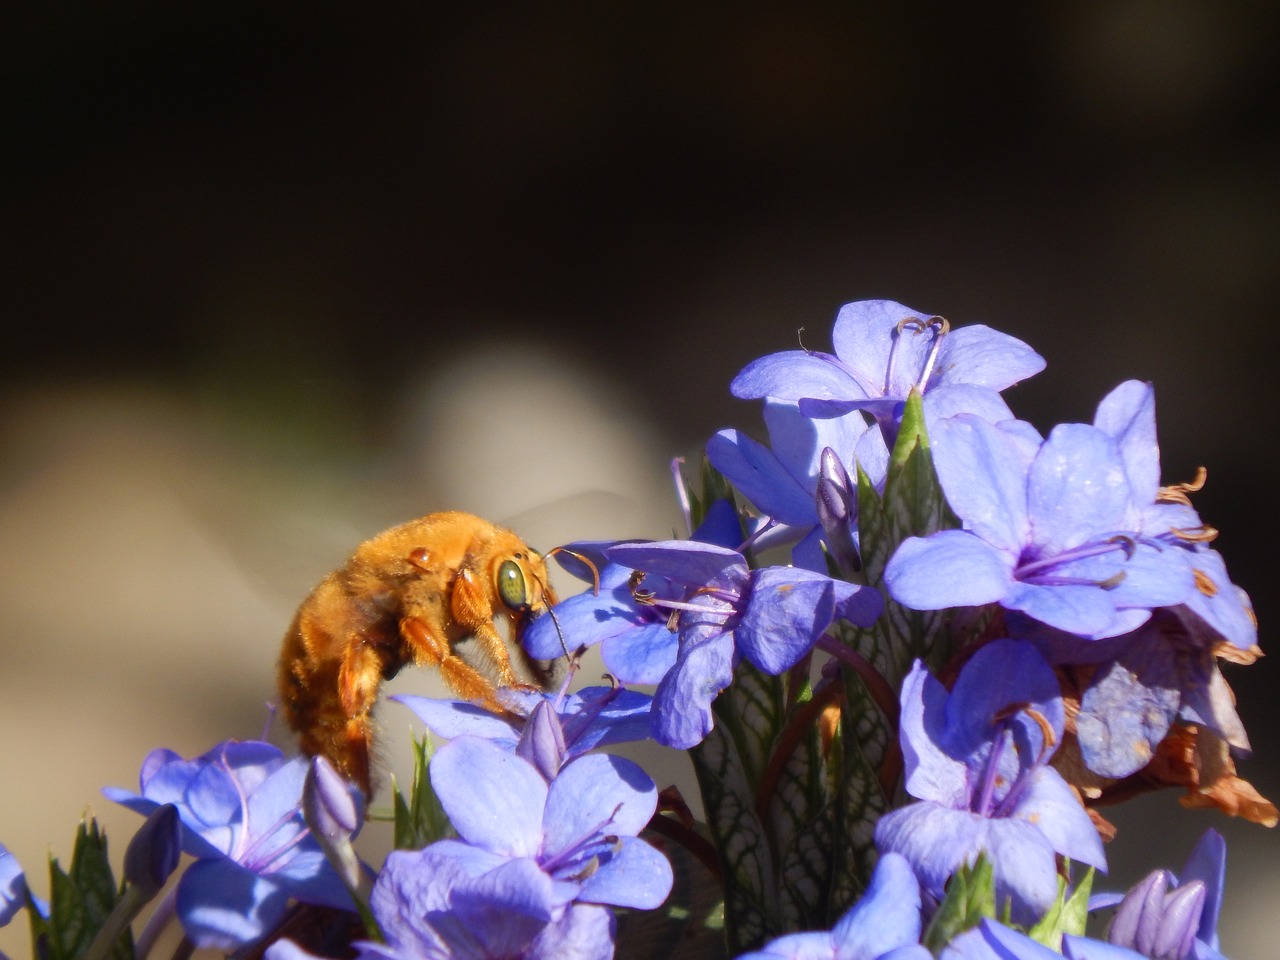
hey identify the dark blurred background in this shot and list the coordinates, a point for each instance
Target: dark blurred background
(273, 277)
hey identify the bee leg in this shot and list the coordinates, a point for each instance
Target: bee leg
(473, 610)
(432, 649)
(358, 680)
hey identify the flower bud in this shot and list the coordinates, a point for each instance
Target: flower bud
(836, 502)
(542, 741)
(1156, 922)
(333, 815)
(152, 854)
(328, 807)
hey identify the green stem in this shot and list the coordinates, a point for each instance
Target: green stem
(130, 904)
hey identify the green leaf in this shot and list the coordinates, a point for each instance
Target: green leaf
(729, 764)
(970, 897)
(79, 901)
(420, 820)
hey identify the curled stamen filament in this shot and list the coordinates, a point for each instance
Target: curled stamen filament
(1177, 492)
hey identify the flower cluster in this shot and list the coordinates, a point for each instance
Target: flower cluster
(910, 646)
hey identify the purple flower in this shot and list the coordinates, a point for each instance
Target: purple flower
(429, 907)
(772, 616)
(1216, 610)
(13, 886)
(882, 351)
(883, 925)
(977, 760)
(580, 829)
(1050, 530)
(787, 481)
(240, 806)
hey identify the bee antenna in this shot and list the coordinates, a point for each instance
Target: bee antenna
(551, 612)
(583, 558)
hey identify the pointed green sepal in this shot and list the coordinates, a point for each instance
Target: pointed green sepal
(970, 897)
(1068, 914)
(421, 819)
(80, 902)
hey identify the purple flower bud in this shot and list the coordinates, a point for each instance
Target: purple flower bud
(333, 816)
(1158, 923)
(152, 854)
(836, 502)
(542, 741)
(327, 804)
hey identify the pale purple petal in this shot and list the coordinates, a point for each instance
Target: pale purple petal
(930, 773)
(1085, 610)
(641, 654)
(224, 906)
(886, 917)
(1000, 673)
(787, 612)
(1051, 807)
(1128, 415)
(684, 561)
(682, 702)
(1077, 489)
(952, 568)
(583, 932)
(636, 876)
(594, 790)
(983, 472)
(795, 374)
(975, 353)
(760, 476)
(454, 718)
(493, 798)
(952, 399)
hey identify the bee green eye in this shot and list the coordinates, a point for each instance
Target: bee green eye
(511, 586)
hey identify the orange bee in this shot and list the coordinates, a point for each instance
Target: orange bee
(418, 593)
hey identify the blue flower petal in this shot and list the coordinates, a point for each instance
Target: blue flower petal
(684, 561)
(931, 774)
(1124, 715)
(1002, 673)
(757, 473)
(983, 471)
(975, 353)
(1052, 808)
(635, 876)
(454, 718)
(952, 568)
(786, 613)
(1078, 489)
(886, 917)
(224, 906)
(641, 654)
(493, 798)
(1128, 415)
(599, 789)
(682, 702)
(796, 374)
